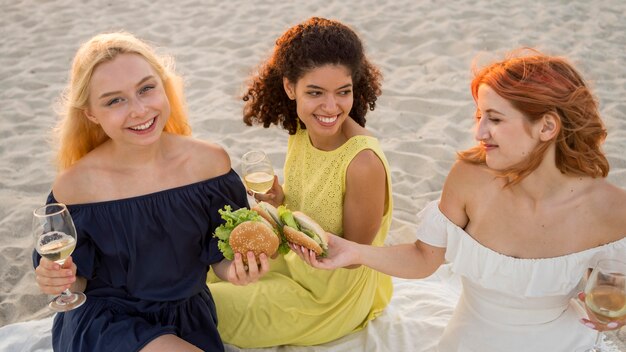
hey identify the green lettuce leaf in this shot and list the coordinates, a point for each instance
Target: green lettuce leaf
(287, 217)
(232, 219)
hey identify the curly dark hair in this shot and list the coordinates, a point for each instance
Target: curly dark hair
(314, 43)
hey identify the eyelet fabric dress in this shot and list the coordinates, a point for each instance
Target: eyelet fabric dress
(295, 304)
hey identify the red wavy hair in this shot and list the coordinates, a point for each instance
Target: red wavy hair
(538, 84)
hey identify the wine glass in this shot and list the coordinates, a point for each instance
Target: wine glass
(605, 295)
(55, 239)
(258, 173)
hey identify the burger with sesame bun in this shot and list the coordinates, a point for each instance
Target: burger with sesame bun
(245, 230)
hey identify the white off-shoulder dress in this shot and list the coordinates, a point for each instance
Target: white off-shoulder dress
(511, 304)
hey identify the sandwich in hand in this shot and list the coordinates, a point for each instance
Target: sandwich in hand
(300, 229)
(245, 230)
(270, 213)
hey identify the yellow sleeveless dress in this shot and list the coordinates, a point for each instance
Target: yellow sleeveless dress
(295, 304)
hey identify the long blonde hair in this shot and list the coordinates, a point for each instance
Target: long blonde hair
(76, 134)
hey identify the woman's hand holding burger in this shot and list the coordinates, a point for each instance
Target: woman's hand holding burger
(340, 253)
(263, 232)
(244, 232)
(242, 274)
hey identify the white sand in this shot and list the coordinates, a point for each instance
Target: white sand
(425, 49)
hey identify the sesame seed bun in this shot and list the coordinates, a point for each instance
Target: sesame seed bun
(255, 236)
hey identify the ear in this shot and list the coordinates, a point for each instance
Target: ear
(290, 88)
(90, 116)
(550, 126)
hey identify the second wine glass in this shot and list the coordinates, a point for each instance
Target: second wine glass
(55, 239)
(258, 173)
(605, 295)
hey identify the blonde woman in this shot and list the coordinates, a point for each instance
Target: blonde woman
(144, 198)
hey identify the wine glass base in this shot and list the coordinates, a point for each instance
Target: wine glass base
(64, 304)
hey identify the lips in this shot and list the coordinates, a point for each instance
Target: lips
(143, 126)
(489, 147)
(327, 120)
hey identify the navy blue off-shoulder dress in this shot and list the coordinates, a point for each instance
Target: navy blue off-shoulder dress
(145, 259)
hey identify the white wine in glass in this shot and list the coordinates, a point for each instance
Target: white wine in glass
(55, 239)
(56, 246)
(605, 295)
(258, 173)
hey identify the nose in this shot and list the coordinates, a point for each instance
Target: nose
(482, 131)
(137, 108)
(330, 103)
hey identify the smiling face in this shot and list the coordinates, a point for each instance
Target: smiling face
(324, 99)
(503, 131)
(127, 99)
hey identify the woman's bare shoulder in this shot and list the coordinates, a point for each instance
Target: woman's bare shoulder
(76, 184)
(465, 175)
(609, 204)
(352, 129)
(207, 159)
(465, 183)
(365, 163)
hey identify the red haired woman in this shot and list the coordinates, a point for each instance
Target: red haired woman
(523, 214)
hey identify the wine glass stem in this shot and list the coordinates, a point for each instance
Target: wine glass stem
(66, 297)
(596, 346)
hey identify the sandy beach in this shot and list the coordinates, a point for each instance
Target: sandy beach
(425, 49)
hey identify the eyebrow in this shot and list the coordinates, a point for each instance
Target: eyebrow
(493, 111)
(104, 95)
(317, 87)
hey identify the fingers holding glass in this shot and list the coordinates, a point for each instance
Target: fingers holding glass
(55, 240)
(605, 298)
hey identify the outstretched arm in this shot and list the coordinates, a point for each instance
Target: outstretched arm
(411, 261)
(416, 260)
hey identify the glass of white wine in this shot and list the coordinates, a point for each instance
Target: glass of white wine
(605, 295)
(258, 173)
(55, 239)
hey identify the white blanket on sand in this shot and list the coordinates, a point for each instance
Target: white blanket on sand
(413, 321)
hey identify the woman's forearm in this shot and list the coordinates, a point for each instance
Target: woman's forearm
(409, 261)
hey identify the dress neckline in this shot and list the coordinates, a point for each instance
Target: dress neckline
(148, 195)
(479, 244)
(336, 150)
